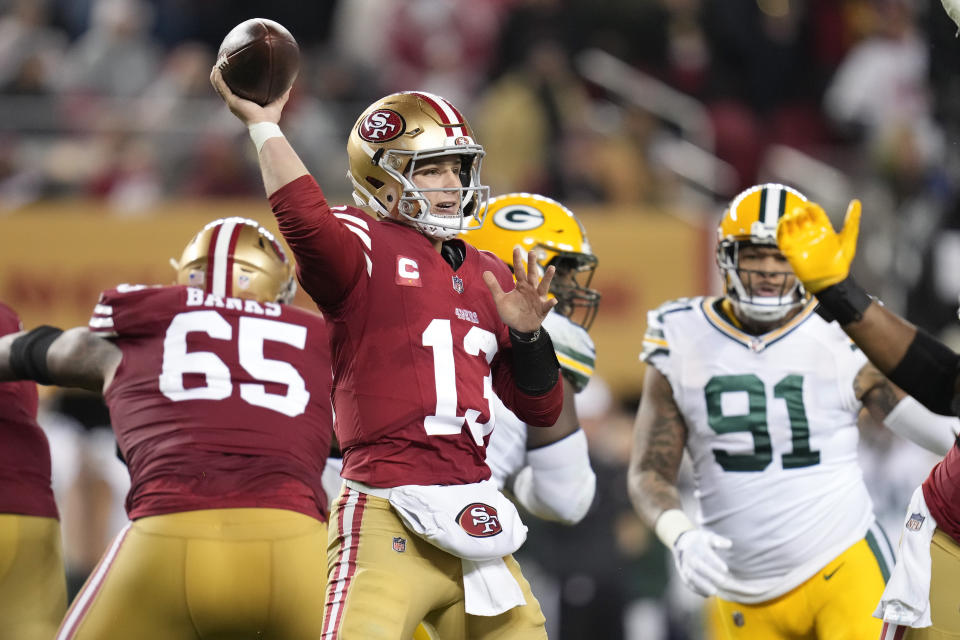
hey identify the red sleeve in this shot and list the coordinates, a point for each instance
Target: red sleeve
(536, 411)
(330, 259)
(9, 320)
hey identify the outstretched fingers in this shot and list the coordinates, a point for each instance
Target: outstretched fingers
(495, 290)
(518, 271)
(544, 287)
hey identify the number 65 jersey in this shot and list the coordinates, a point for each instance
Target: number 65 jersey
(772, 433)
(218, 402)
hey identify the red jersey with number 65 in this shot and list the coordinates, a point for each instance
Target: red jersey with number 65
(218, 402)
(418, 347)
(24, 452)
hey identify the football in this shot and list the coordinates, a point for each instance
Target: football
(259, 60)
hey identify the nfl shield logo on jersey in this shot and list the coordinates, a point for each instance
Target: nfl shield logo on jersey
(399, 545)
(457, 284)
(915, 522)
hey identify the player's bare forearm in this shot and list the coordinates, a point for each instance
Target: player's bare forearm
(882, 335)
(76, 358)
(659, 437)
(6, 371)
(878, 395)
(567, 423)
(80, 359)
(279, 164)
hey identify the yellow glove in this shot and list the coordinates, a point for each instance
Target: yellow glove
(819, 256)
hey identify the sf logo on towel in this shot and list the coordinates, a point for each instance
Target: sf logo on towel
(479, 520)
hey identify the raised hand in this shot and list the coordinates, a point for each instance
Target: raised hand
(247, 111)
(524, 308)
(819, 255)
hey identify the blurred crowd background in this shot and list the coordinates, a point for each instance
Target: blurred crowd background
(641, 115)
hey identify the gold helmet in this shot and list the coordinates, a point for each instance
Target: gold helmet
(546, 227)
(751, 218)
(387, 142)
(236, 257)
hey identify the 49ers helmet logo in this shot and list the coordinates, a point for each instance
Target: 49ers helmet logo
(479, 520)
(382, 125)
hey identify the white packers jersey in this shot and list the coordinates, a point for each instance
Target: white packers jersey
(772, 433)
(507, 449)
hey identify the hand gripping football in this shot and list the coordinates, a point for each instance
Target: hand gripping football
(259, 60)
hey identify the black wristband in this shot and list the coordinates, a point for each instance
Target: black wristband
(28, 354)
(535, 365)
(524, 336)
(928, 372)
(844, 302)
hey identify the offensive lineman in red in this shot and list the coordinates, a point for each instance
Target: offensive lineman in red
(422, 335)
(219, 395)
(33, 590)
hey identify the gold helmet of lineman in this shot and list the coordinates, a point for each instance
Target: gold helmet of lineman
(387, 142)
(751, 218)
(546, 227)
(238, 258)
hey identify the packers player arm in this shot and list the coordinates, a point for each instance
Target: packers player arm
(920, 364)
(71, 358)
(902, 414)
(913, 359)
(557, 482)
(660, 434)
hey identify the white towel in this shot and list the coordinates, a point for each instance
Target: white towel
(442, 515)
(474, 522)
(906, 600)
(489, 588)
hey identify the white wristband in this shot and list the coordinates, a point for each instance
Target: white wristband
(670, 525)
(260, 132)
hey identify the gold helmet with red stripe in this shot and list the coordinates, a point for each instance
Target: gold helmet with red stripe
(238, 258)
(751, 218)
(552, 231)
(387, 142)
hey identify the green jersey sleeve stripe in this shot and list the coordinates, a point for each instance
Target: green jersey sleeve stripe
(586, 359)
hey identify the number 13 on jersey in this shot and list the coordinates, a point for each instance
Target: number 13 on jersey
(438, 336)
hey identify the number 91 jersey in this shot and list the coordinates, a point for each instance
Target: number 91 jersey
(218, 402)
(772, 433)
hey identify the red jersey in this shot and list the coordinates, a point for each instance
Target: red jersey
(218, 402)
(418, 348)
(24, 452)
(941, 492)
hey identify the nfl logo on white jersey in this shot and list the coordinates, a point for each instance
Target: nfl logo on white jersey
(915, 522)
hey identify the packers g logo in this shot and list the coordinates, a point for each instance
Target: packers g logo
(518, 217)
(479, 520)
(383, 125)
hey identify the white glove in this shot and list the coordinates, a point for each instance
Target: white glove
(952, 7)
(697, 561)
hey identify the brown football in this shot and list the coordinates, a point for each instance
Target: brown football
(259, 60)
